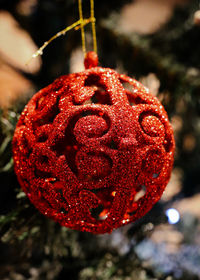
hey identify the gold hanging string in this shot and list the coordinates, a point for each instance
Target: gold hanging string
(82, 27)
(92, 19)
(93, 22)
(79, 24)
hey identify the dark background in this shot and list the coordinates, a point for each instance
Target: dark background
(155, 41)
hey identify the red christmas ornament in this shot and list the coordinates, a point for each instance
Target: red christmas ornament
(93, 150)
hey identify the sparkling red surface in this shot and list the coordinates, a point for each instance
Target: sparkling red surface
(93, 150)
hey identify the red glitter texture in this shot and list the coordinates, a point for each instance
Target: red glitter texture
(93, 150)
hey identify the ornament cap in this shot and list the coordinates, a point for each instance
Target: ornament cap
(91, 60)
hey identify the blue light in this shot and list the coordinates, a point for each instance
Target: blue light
(173, 216)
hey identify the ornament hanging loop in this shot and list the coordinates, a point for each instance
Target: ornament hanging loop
(79, 24)
(82, 26)
(92, 19)
(93, 22)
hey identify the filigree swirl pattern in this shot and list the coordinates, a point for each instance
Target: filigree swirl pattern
(93, 150)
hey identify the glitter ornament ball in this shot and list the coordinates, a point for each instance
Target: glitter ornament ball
(93, 150)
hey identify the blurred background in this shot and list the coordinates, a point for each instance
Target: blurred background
(158, 43)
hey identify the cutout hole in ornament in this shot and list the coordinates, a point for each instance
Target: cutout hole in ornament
(106, 195)
(107, 191)
(22, 121)
(67, 145)
(25, 141)
(113, 145)
(29, 152)
(70, 155)
(131, 93)
(51, 180)
(155, 175)
(139, 100)
(41, 121)
(147, 114)
(86, 113)
(60, 192)
(99, 89)
(131, 100)
(25, 181)
(96, 212)
(168, 144)
(53, 115)
(44, 159)
(42, 101)
(45, 200)
(141, 193)
(42, 138)
(63, 211)
(134, 100)
(62, 196)
(26, 149)
(86, 102)
(39, 101)
(55, 111)
(42, 174)
(100, 97)
(128, 87)
(49, 117)
(132, 213)
(96, 191)
(92, 80)
(104, 214)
